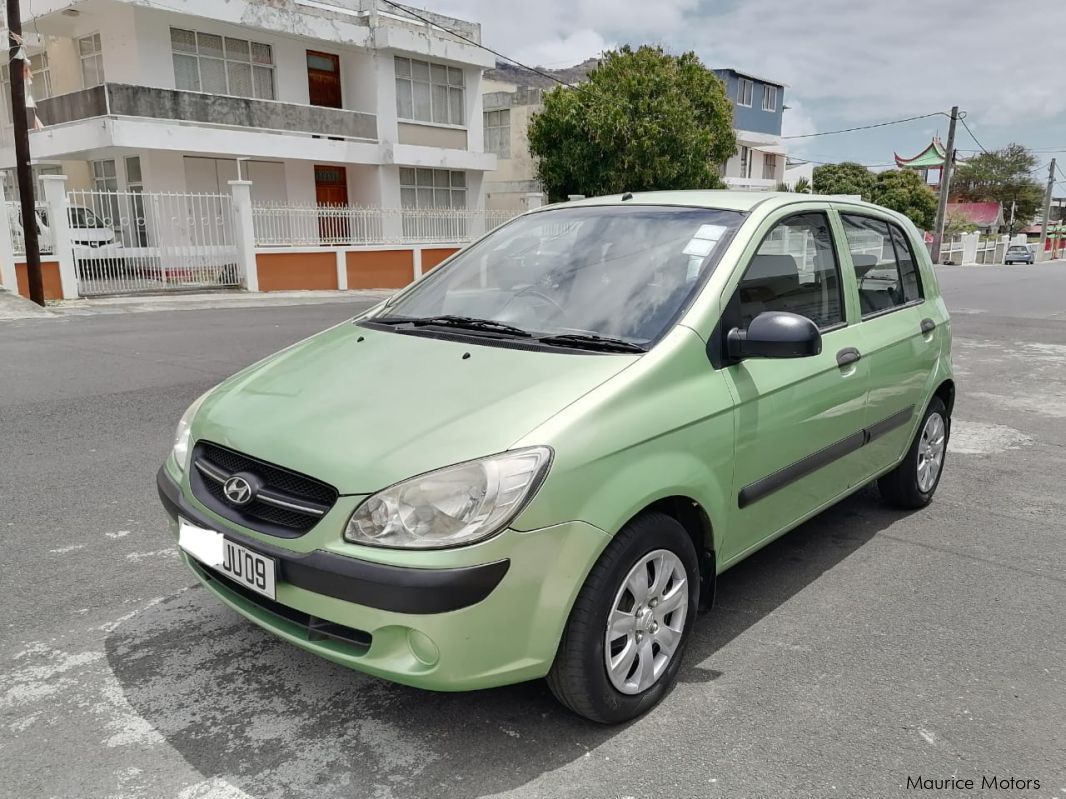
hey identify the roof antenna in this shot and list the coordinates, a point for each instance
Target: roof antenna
(627, 196)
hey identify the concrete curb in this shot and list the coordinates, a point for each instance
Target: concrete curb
(15, 306)
(202, 301)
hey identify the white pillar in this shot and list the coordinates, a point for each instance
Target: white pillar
(55, 198)
(244, 232)
(533, 199)
(7, 252)
(342, 270)
(969, 247)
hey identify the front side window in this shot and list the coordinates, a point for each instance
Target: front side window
(769, 98)
(618, 271)
(795, 270)
(498, 132)
(428, 92)
(744, 92)
(206, 62)
(91, 53)
(885, 267)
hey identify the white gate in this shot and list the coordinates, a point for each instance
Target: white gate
(131, 241)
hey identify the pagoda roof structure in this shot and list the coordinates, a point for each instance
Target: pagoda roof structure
(932, 157)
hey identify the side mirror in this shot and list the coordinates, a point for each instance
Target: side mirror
(775, 334)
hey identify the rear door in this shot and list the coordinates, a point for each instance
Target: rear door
(798, 421)
(898, 332)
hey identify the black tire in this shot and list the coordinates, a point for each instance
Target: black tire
(900, 487)
(578, 677)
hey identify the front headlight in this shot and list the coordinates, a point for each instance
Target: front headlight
(452, 506)
(184, 431)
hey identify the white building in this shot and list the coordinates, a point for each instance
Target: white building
(508, 109)
(315, 101)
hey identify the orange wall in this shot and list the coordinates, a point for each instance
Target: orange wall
(283, 271)
(53, 288)
(432, 257)
(384, 269)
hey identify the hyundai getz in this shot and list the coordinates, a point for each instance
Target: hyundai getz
(534, 461)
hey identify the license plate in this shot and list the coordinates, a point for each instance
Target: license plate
(240, 564)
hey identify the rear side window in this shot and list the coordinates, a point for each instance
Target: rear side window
(795, 270)
(886, 269)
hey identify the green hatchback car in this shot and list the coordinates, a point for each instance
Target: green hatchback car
(534, 461)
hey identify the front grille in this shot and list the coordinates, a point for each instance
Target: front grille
(312, 627)
(286, 504)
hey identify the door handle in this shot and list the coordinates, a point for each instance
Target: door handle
(928, 325)
(848, 356)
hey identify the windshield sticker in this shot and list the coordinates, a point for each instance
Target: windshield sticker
(703, 242)
(699, 247)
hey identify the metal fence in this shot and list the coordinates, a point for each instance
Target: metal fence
(132, 241)
(285, 225)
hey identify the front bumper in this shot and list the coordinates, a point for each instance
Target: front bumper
(464, 627)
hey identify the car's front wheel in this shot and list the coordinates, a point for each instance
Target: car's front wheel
(913, 482)
(627, 631)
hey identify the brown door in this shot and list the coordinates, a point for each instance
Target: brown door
(324, 79)
(331, 189)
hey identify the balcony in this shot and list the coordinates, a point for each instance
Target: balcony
(197, 108)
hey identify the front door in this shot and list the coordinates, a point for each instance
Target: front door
(324, 79)
(799, 422)
(899, 333)
(331, 195)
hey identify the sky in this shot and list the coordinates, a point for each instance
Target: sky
(845, 62)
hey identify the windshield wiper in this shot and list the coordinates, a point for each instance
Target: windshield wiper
(590, 341)
(451, 320)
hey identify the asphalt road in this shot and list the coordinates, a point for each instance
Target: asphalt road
(864, 648)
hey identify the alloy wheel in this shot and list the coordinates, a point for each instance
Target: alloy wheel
(931, 448)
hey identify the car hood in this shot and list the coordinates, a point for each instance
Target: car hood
(362, 409)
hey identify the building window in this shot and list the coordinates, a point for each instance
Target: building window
(104, 176)
(745, 162)
(769, 166)
(432, 188)
(429, 92)
(744, 91)
(206, 62)
(42, 78)
(92, 60)
(498, 132)
(769, 98)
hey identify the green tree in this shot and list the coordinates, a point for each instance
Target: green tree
(843, 178)
(803, 186)
(904, 190)
(643, 120)
(1005, 176)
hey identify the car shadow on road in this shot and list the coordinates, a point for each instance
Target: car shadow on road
(271, 720)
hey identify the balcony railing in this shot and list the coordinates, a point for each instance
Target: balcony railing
(147, 102)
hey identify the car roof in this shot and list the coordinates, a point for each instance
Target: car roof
(722, 199)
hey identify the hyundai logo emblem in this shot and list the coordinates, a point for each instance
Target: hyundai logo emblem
(238, 491)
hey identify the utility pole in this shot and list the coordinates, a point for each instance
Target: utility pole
(1047, 210)
(945, 183)
(1013, 205)
(24, 171)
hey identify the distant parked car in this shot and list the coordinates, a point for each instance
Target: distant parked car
(1018, 254)
(91, 237)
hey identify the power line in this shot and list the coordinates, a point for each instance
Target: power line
(468, 40)
(861, 127)
(796, 159)
(962, 119)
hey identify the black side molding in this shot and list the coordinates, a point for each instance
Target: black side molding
(376, 585)
(783, 477)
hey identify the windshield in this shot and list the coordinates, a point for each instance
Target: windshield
(83, 217)
(618, 271)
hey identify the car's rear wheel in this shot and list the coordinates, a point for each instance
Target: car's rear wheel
(627, 631)
(913, 483)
